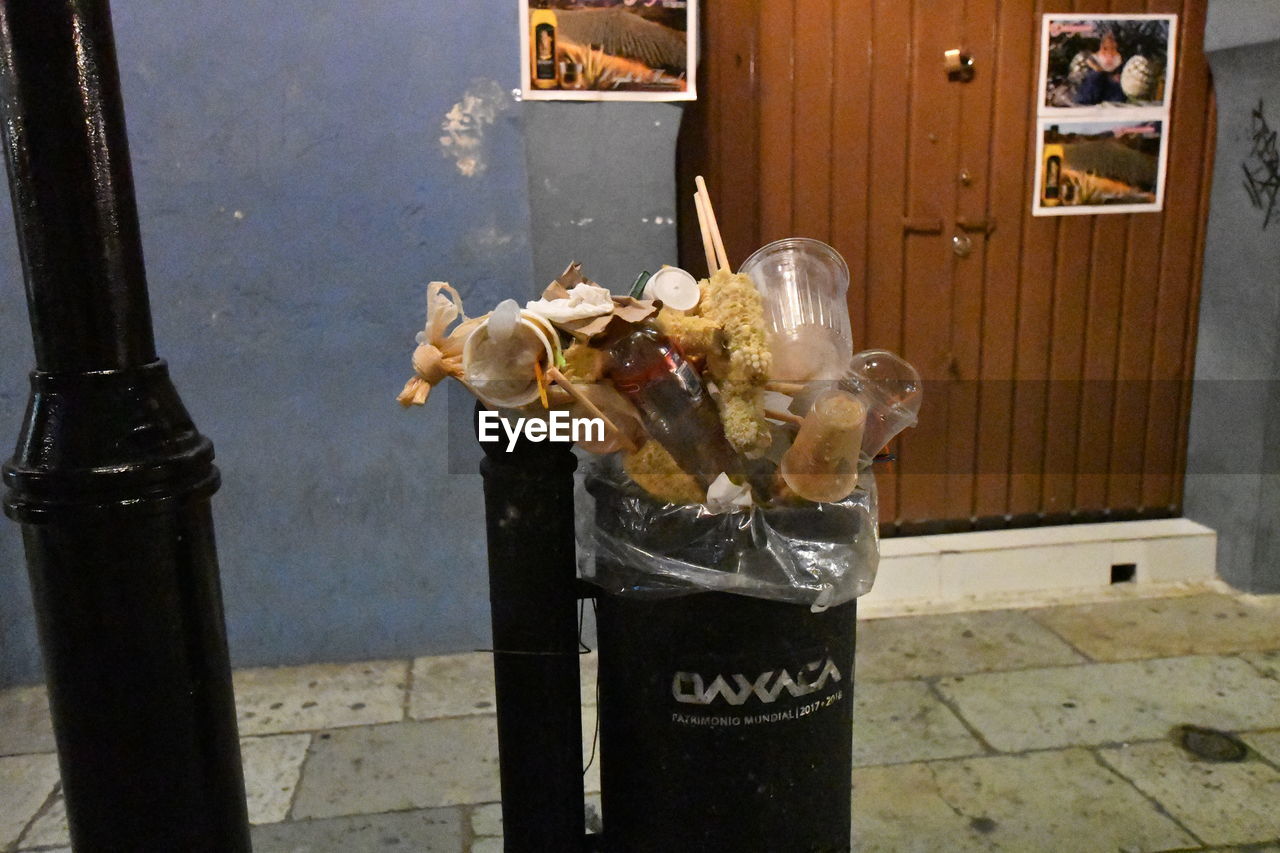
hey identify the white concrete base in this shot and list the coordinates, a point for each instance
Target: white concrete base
(1037, 566)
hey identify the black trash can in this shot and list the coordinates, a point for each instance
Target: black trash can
(725, 724)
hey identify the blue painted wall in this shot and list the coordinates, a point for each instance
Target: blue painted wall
(296, 195)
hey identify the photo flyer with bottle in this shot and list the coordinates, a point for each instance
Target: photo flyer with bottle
(609, 50)
(1103, 104)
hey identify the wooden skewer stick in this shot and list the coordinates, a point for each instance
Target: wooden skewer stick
(787, 417)
(573, 391)
(708, 247)
(788, 388)
(722, 257)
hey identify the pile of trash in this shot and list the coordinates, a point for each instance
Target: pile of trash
(735, 427)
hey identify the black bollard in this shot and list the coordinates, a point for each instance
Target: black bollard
(110, 481)
(533, 598)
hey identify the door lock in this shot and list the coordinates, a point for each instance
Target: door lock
(959, 65)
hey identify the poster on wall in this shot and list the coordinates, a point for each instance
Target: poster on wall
(609, 50)
(1107, 62)
(1103, 99)
(1099, 166)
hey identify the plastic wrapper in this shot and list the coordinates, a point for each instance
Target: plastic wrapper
(817, 554)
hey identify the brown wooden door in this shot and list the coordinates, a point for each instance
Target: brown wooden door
(1057, 352)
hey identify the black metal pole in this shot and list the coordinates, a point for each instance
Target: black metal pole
(534, 603)
(110, 480)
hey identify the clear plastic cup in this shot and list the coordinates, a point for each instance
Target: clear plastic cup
(892, 391)
(822, 463)
(502, 374)
(803, 283)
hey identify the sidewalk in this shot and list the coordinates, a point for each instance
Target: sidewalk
(1023, 730)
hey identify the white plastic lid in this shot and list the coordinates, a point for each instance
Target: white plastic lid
(675, 287)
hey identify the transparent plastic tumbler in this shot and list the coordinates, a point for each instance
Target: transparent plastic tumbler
(803, 283)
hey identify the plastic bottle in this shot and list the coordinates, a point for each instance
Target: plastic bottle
(674, 405)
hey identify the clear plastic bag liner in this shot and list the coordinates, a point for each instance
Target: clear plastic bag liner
(631, 543)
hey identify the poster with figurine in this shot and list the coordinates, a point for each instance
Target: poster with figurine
(1103, 99)
(608, 50)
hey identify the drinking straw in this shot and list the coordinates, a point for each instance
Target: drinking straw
(789, 388)
(783, 416)
(542, 385)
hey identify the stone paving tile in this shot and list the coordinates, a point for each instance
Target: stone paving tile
(272, 766)
(1223, 803)
(956, 644)
(1267, 744)
(1060, 801)
(1165, 627)
(487, 845)
(591, 781)
(1113, 702)
(320, 696)
(594, 814)
(1268, 663)
(895, 722)
(452, 686)
(426, 831)
(462, 685)
(411, 765)
(416, 764)
(588, 666)
(50, 829)
(487, 820)
(26, 781)
(24, 714)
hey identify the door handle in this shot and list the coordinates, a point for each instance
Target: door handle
(976, 226)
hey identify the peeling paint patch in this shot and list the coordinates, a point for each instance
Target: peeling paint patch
(491, 237)
(465, 124)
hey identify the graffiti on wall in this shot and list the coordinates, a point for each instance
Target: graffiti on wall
(1262, 166)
